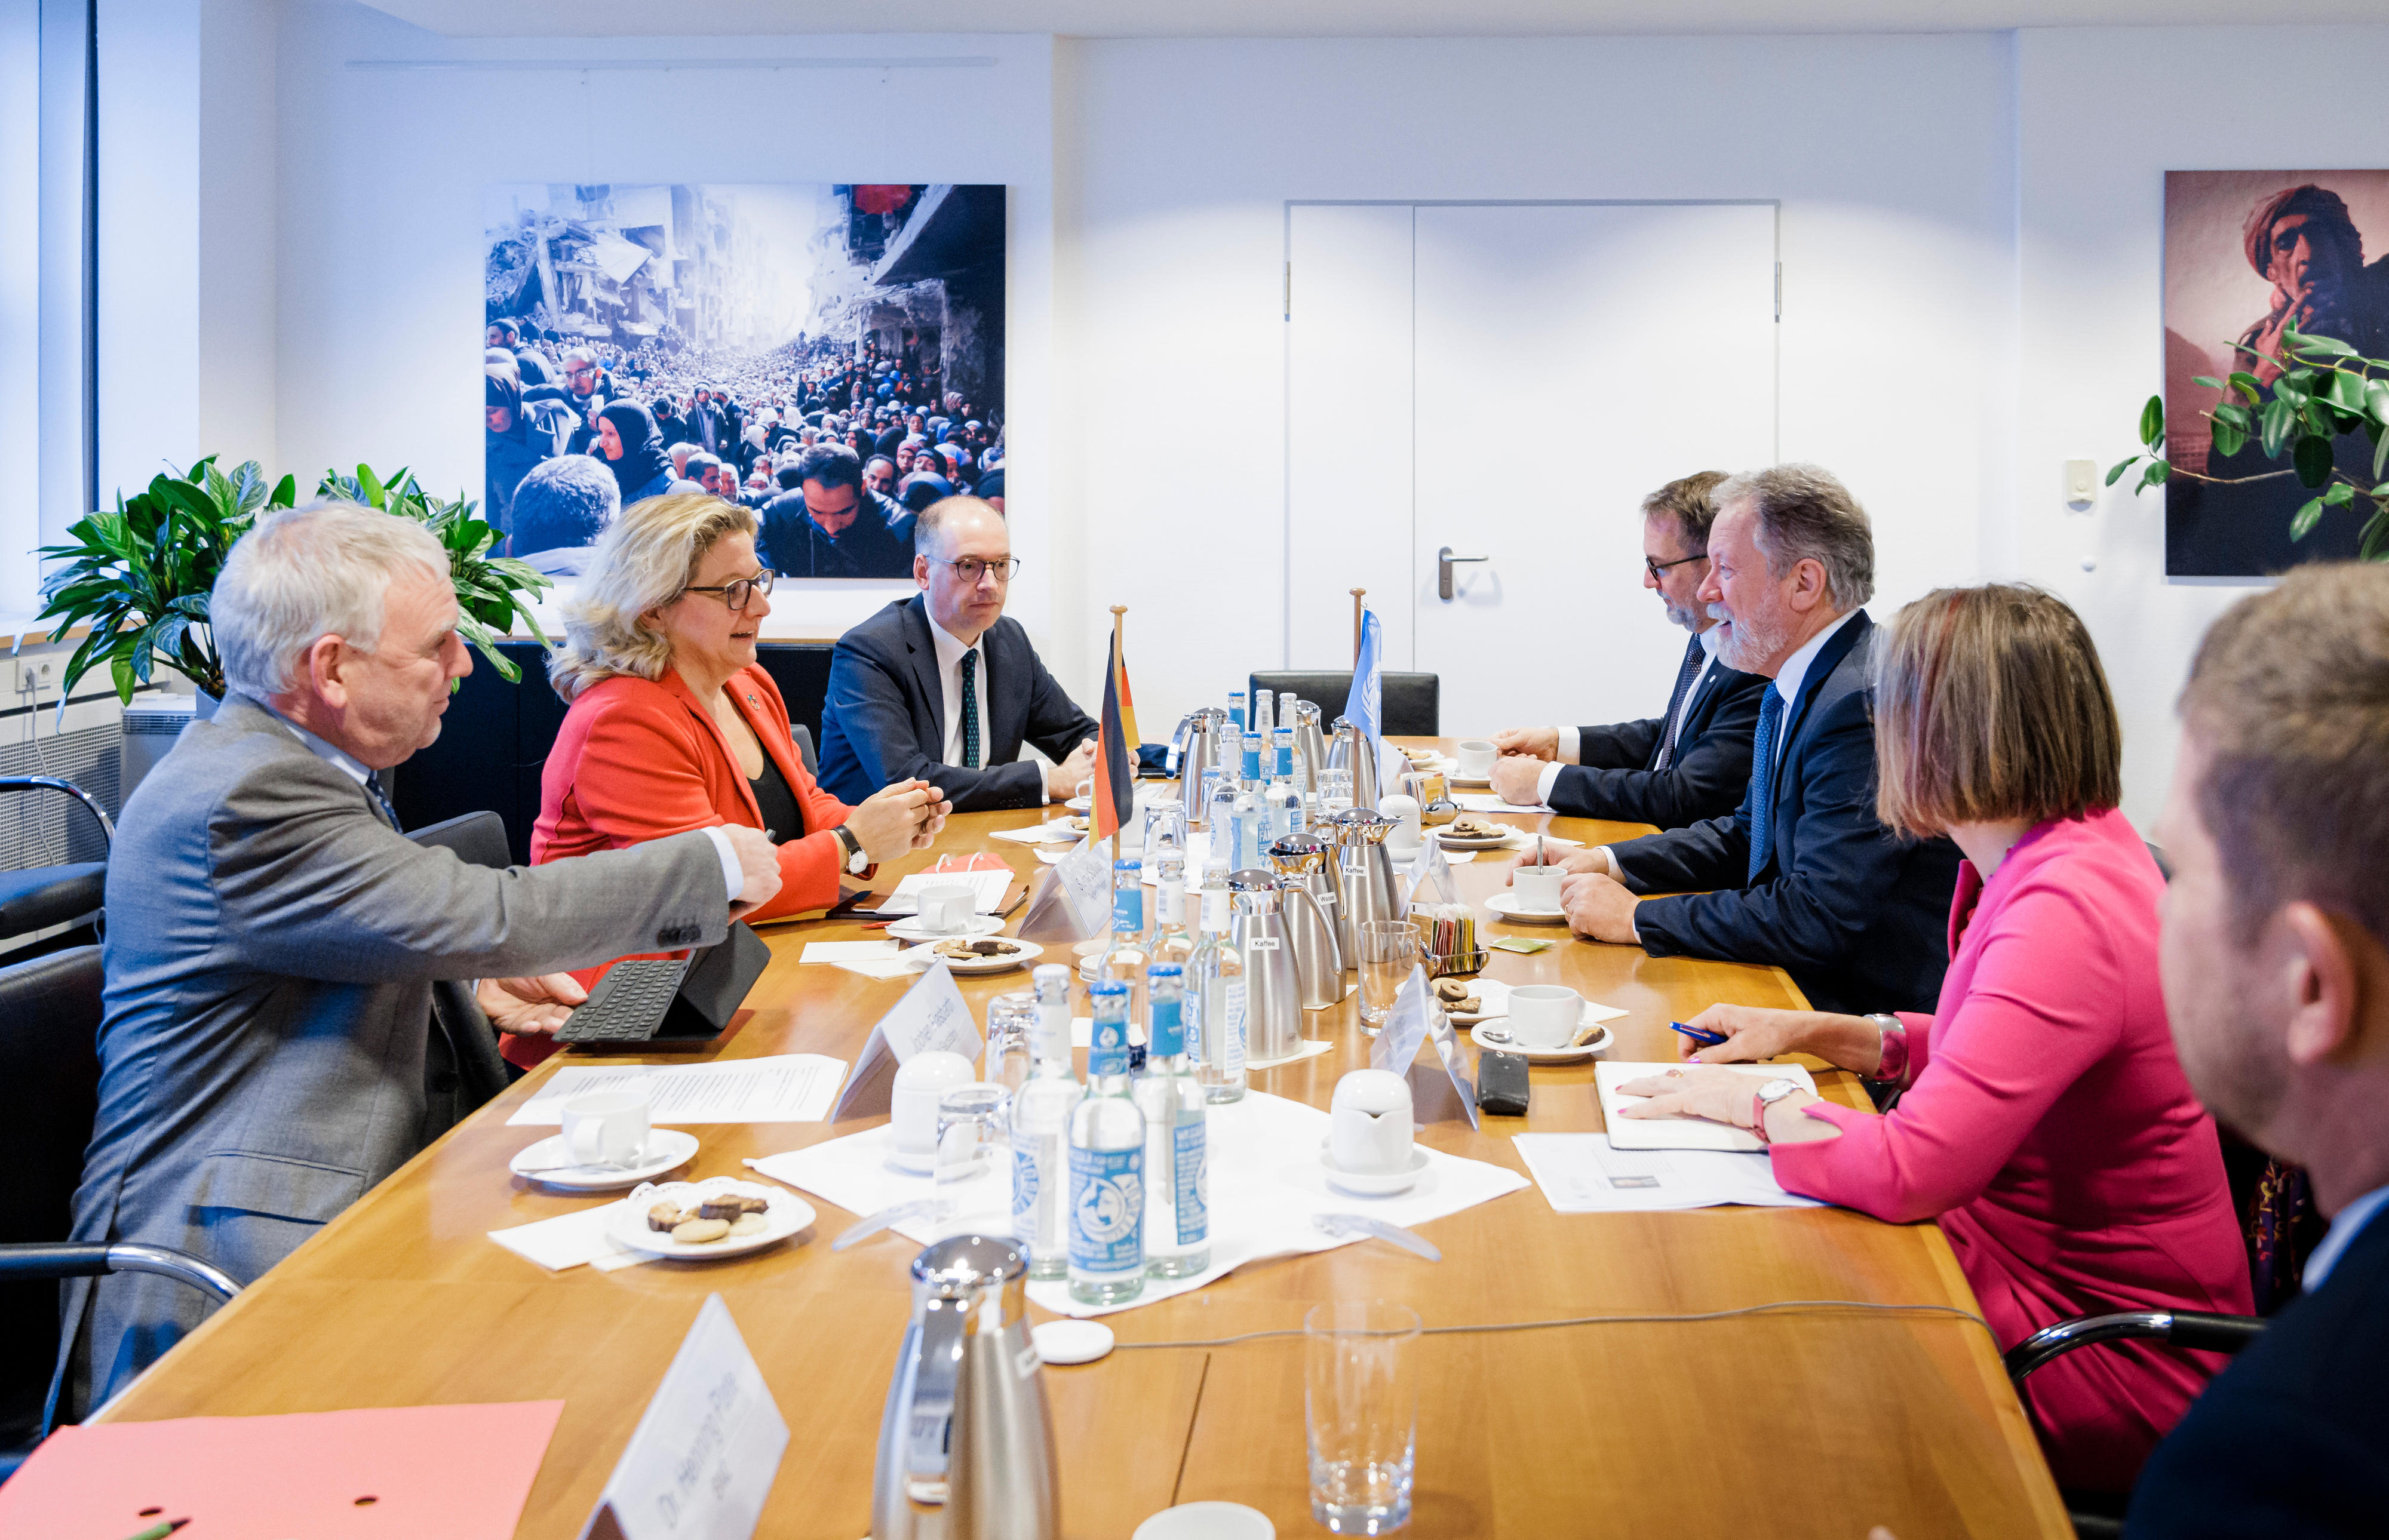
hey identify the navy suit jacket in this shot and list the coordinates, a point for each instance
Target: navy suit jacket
(1616, 774)
(1858, 917)
(885, 721)
(2293, 1437)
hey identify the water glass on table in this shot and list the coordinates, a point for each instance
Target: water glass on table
(1010, 1019)
(1389, 950)
(1361, 1413)
(972, 1177)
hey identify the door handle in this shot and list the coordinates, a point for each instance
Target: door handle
(1443, 562)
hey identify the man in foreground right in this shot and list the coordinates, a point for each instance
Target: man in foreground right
(2276, 967)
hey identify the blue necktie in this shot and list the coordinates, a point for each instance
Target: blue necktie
(1762, 779)
(970, 710)
(381, 799)
(1675, 702)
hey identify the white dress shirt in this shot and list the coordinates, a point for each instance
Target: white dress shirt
(951, 649)
(733, 875)
(1571, 750)
(2344, 1230)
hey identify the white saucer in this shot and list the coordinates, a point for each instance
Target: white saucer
(923, 1164)
(1211, 1520)
(1380, 1186)
(786, 1215)
(1564, 1055)
(1080, 804)
(1029, 952)
(666, 1149)
(1457, 779)
(910, 929)
(1050, 855)
(1465, 842)
(1505, 904)
(1404, 852)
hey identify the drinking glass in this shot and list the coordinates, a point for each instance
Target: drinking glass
(1335, 792)
(1165, 824)
(1360, 1407)
(972, 1178)
(1009, 1020)
(1388, 950)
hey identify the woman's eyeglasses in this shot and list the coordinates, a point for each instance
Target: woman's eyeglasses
(970, 569)
(740, 593)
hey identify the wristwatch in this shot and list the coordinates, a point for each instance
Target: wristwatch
(856, 862)
(1763, 1098)
(1894, 1064)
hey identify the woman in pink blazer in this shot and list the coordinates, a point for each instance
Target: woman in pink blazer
(2044, 1120)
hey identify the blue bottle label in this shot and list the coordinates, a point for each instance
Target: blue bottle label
(1193, 1184)
(1107, 1048)
(1168, 1030)
(1127, 907)
(1252, 764)
(1107, 1210)
(1285, 758)
(1024, 1194)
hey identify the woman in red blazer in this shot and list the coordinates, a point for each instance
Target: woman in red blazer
(674, 726)
(2044, 1121)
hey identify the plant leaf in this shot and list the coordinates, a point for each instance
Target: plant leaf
(2311, 455)
(2245, 383)
(2312, 343)
(2154, 475)
(2274, 423)
(2302, 522)
(2152, 421)
(2229, 440)
(2373, 544)
(2207, 380)
(2339, 496)
(2116, 472)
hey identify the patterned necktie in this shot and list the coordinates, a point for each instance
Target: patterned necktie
(381, 799)
(1684, 676)
(1762, 779)
(970, 710)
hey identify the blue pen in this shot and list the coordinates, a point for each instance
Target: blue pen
(1699, 1035)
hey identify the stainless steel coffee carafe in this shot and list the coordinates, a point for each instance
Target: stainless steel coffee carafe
(1302, 863)
(1308, 744)
(1257, 928)
(967, 1442)
(1349, 750)
(1198, 749)
(1366, 887)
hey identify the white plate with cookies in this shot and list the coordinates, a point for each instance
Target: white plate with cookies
(1471, 832)
(985, 954)
(698, 1221)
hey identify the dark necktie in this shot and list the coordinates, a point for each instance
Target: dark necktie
(1762, 779)
(970, 710)
(1684, 676)
(381, 799)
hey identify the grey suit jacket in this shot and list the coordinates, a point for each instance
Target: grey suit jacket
(272, 952)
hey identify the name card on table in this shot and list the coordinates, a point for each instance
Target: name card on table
(1415, 1020)
(706, 1451)
(1405, 1030)
(1076, 902)
(1431, 880)
(1455, 1063)
(932, 1017)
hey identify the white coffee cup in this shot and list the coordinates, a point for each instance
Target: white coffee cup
(1369, 1124)
(606, 1128)
(1475, 756)
(1537, 886)
(1544, 1015)
(912, 1104)
(945, 907)
(1404, 811)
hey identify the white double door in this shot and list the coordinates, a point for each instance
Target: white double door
(1508, 381)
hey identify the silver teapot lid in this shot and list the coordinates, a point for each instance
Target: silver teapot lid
(1252, 880)
(965, 1265)
(1299, 853)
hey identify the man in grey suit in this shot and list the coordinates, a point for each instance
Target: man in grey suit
(285, 1019)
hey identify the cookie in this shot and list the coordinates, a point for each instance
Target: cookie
(748, 1224)
(696, 1232)
(1585, 1035)
(729, 1205)
(663, 1217)
(1450, 990)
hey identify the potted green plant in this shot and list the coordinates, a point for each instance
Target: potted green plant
(139, 575)
(2324, 389)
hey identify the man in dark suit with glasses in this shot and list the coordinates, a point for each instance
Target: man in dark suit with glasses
(944, 686)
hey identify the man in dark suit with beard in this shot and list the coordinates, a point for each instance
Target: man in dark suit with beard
(830, 525)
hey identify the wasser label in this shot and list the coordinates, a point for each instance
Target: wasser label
(1193, 1184)
(1107, 1210)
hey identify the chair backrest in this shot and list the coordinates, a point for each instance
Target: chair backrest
(478, 839)
(1412, 703)
(804, 737)
(49, 1094)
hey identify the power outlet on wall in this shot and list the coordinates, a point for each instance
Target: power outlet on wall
(32, 678)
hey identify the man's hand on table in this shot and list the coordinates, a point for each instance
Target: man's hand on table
(759, 867)
(1532, 743)
(1518, 779)
(1598, 907)
(529, 1007)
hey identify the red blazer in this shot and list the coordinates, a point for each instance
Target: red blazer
(638, 760)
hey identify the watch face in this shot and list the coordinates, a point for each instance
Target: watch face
(1775, 1090)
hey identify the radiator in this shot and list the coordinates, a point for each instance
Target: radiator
(46, 828)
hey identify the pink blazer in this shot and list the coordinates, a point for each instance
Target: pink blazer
(2048, 1126)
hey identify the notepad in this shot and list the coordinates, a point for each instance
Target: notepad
(1680, 1133)
(987, 889)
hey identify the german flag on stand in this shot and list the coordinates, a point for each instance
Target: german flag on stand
(1114, 792)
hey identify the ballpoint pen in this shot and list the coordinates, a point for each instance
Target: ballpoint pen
(1699, 1035)
(159, 1531)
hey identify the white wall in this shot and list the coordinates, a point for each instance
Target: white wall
(1891, 157)
(2104, 115)
(382, 172)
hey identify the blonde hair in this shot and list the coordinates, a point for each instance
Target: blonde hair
(641, 563)
(1989, 704)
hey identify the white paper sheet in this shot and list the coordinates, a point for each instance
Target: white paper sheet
(848, 951)
(1267, 1181)
(987, 889)
(1585, 1174)
(786, 1088)
(1491, 802)
(1680, 1133)
(571, 1240)
(1052, 831)
(891, 965)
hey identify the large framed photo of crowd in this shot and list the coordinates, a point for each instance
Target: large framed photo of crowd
(830, 355)
(2245, 254)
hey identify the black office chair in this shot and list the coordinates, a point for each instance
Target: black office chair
(804, 737)
(478, 839)
(40, 897)
(49, 1093)
(1412, 704)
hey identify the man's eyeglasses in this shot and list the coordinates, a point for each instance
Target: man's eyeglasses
(739, 594)
(1657, 569)
(970, 569)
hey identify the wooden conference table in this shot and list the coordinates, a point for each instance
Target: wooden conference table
(1787, 1425)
